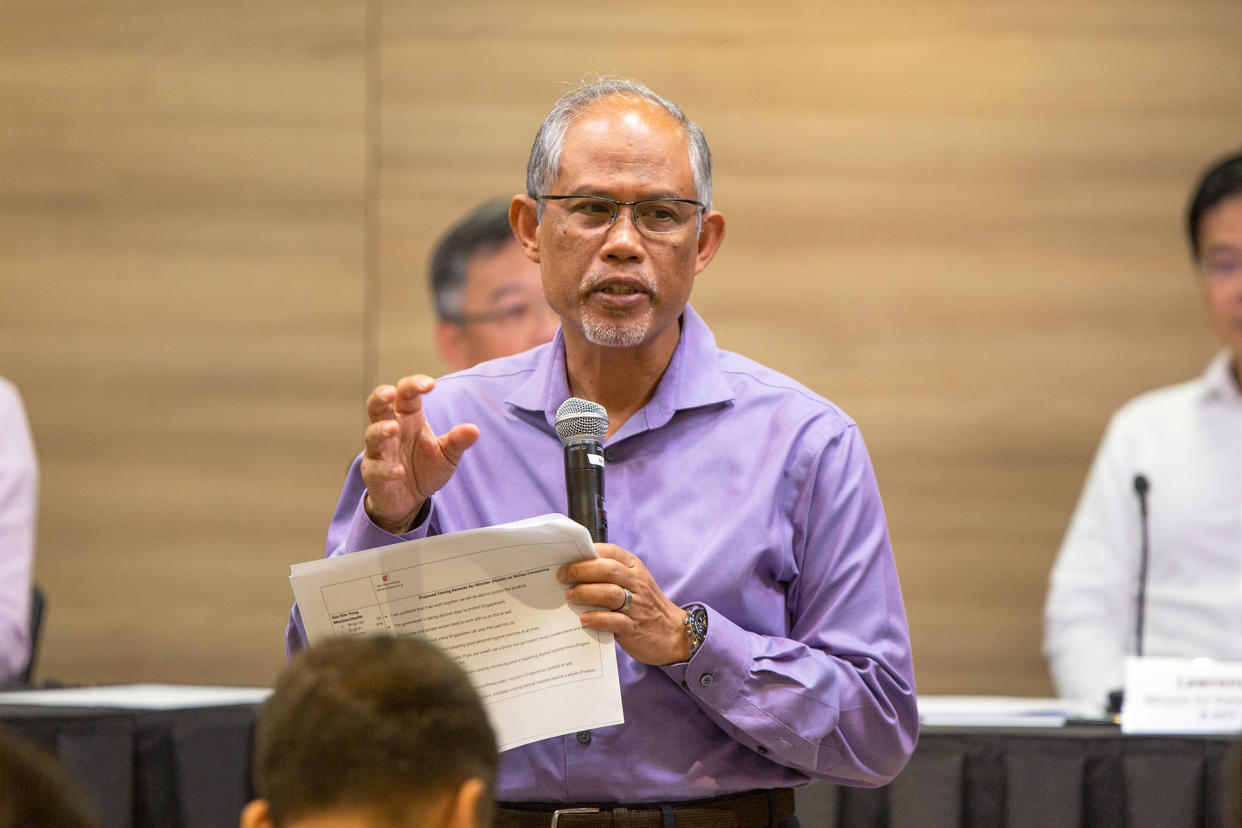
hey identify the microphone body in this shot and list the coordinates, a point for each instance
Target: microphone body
(584, 486)
(581, 426)
(1116, 699)
(1140, 489)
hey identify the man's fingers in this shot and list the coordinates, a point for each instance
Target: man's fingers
(380, 463)
(617, 623)
(379, 436)
(613, 552)
(410, 390)
(457, 440)
(388, 401)
(614, 565)
(610, 597)
(379, 472)
(379, 402)
(596, 571)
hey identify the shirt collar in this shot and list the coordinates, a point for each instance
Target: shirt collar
(1219, 381)
(693, 378)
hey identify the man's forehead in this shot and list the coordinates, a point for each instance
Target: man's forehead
(620, 132)
(1221, 229)
(502, 267)
(629, 111)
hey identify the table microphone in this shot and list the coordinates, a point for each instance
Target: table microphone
(1116, 697)
(1140, 489)
(582, 426)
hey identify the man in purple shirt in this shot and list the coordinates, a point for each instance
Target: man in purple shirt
(757, 609)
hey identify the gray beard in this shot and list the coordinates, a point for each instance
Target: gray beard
(612, 334)
(616, 335)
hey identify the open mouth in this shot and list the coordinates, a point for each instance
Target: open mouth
(620, 293)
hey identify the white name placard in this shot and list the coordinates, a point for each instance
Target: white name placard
(1182, 695)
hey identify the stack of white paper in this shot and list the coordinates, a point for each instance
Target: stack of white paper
(139, 696)
(490, 598)
(1002, 711)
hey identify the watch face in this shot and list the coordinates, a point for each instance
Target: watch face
(698, 621)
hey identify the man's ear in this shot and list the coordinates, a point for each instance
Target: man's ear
(524, 219)
(256, 815)
(710, 237)
(451, 345)
(467, 805)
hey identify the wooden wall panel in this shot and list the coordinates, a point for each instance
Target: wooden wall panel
(181, 250)
(960, 221)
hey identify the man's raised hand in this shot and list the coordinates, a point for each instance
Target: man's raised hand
(403, 461)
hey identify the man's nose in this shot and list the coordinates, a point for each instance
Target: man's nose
(622, 239)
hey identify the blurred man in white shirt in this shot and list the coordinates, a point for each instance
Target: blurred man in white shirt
(1178, 452)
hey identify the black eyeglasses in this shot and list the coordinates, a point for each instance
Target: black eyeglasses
(659, 216)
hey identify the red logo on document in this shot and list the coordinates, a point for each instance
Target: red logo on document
(384, 579)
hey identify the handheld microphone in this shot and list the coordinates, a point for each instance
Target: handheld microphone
(582, 426)
(1140, 488)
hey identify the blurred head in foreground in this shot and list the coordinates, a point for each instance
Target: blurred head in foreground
(34, 790)
(374, 732)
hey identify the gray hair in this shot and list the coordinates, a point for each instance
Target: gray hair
(545, 155)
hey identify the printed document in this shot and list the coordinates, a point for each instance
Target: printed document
(490, 599)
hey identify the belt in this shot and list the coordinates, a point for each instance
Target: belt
(752, 809)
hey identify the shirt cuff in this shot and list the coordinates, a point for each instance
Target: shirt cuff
(365, 534)
(714, 666)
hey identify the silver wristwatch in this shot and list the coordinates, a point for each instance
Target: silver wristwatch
(696, 626)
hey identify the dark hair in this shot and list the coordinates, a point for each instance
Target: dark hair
(1221, 181)
(35, 790)
(483, 230)
(377, 724)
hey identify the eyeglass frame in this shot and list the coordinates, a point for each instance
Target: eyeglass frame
(1218, 270)
(519, 312)
(633, 205)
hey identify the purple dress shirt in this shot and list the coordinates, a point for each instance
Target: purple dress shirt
(740, 490)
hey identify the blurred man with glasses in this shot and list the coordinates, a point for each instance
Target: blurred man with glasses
(488, 296)
(1169, 469)
(750, 583)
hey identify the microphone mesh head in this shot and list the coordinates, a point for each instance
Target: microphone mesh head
(577, 418)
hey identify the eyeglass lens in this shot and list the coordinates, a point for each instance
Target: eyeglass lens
(651, 216)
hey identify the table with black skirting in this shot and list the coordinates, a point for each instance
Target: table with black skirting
(188, 768)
